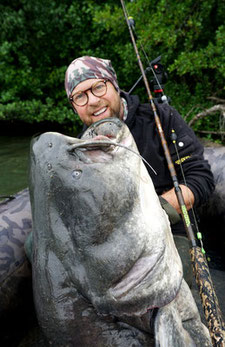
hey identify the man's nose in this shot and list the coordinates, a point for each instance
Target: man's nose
(92, 99)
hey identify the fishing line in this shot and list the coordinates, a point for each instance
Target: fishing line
(200, 267)
(132, 24)
(199, 234)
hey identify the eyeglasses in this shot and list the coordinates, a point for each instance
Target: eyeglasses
(97, 89)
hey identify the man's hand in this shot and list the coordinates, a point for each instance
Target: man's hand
(171, 197)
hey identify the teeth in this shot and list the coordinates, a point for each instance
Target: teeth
(101, 111)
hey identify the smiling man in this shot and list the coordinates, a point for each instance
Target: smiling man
(102, 101)
(93, 91)
(92, 88)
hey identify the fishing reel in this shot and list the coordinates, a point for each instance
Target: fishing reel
(159, 78)
(157, 82)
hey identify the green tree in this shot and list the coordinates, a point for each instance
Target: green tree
(190, 37)
(40, 38)
(38, 41)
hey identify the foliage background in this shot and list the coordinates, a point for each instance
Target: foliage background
(39, 38)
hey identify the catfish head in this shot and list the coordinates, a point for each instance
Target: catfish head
(95, 208)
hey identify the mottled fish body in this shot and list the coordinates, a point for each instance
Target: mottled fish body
(102, 243)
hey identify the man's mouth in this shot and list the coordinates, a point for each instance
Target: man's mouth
(100, 111)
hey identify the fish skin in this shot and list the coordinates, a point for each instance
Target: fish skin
(103, 248)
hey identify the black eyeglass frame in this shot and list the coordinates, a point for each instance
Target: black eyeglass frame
(85, 92)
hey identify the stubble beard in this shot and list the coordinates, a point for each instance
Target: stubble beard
(119, 112)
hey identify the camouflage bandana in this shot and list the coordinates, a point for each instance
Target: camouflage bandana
(85, 68)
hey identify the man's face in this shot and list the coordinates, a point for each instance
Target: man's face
(97, 108)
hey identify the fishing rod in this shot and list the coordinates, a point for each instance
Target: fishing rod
(199, 263)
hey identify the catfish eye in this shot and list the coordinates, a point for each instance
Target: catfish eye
(76, 174)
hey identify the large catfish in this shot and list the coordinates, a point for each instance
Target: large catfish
(105, 268)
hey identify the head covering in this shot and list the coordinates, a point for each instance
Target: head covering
(86, 67)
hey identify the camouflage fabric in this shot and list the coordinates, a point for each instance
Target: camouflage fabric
(15, 272)
(15, 225)
(86, 67)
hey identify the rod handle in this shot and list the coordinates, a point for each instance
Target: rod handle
(208, 296)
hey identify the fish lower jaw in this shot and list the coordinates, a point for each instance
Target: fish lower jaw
(143, 268)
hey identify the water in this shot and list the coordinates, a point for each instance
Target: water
(14, 152)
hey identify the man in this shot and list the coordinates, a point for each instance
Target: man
(93, 102)
(92, 89)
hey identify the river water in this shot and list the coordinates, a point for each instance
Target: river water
(14, 153)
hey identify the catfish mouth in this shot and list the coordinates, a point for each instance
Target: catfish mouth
(102, 135)
(99, 142)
